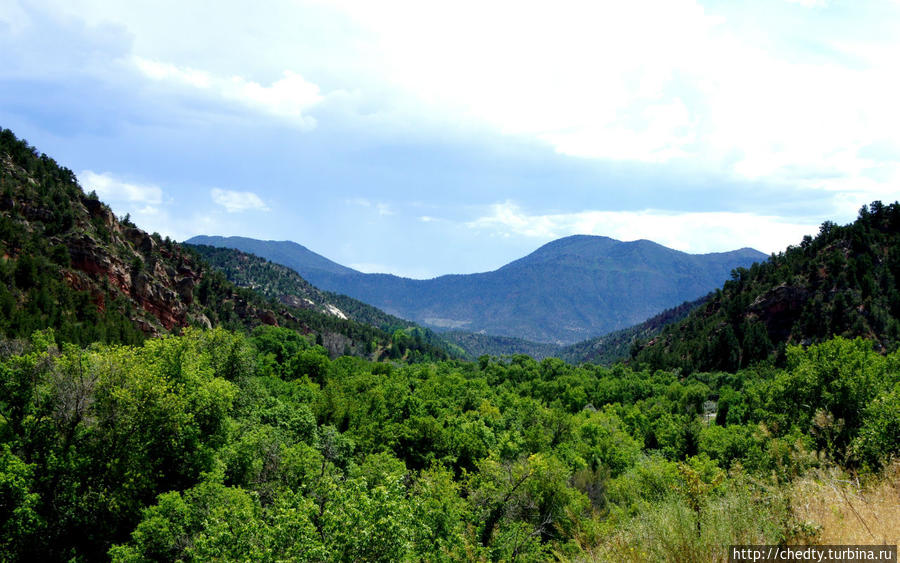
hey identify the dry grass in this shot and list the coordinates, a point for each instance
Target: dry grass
(825, 507)
(667, 531)
(847, 511)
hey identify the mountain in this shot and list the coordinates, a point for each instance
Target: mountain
(287, 287)
(68, 263)
(474, 345)
(618, 345)
(843, 282)
(564, 292)
(604, 350)
(307, 263)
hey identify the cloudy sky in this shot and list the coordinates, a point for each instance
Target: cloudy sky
(423, 138)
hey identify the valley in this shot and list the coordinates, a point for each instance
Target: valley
(167, 401)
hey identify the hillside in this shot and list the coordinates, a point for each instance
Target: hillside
(617, 346)
(476, 345)
(287, 286)
(566, 291)
(843, 282)
(69, 264)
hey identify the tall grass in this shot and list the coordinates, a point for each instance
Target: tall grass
(742, 513)
(848, 511)
(825, 506)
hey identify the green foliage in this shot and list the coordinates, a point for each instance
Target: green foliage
(219, 445)
(323, 311)
(602, 441)
(211, 522)
(841, 283)
(440, 514)
(878, 439)
(19, 519)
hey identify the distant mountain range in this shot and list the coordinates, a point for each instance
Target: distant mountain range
(566, 291)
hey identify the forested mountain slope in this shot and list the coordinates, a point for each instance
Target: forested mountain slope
(287, 286)
(69, 264)
(566, 291)
(842, 282)
(617, 346)
(218, 446)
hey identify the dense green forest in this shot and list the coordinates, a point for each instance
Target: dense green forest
(217, 445)
(284, 284)
(618, 346)
(281, 284)
(150, 410)
(842, 282)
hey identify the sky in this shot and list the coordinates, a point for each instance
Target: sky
(424, 138)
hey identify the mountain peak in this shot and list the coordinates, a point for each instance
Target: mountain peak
(567, 290)
(285, 252)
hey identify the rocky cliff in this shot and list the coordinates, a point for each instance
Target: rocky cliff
(70, 264)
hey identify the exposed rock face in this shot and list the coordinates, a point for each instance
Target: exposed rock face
(779, 308)
(185, 288)
(268, 317)
(161, 281)
(141, 240)
(133, 264)
(203, 321)
(85, 255)
(296, 302)
(96, 209)
(129, 276)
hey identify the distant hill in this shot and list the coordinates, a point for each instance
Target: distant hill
(842, 282)
(618, 345)
(566, 291)
(476, 345)
(287, 287)
(68, 263)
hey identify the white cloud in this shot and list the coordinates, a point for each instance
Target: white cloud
(112, 189)
(688, 232)
(289, 97)
(383, 209)
(236, 202)
(378, 268)
(648, 81)
(645, 80)
(164, 71)
(807, 3)
(149, 207)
